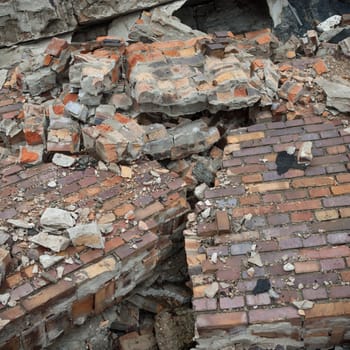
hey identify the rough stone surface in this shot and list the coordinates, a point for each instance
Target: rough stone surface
(88, 235)
(57, 218)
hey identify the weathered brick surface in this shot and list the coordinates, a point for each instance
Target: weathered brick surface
(89, 284)
(300, 217)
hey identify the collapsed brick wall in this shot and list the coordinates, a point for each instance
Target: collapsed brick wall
(46, 304)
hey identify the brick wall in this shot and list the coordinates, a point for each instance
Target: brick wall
(300, 217)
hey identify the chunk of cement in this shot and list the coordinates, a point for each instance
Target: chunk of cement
(57, 218)
(88, 235)
(63, 160)
(53, 242)
(49, 260)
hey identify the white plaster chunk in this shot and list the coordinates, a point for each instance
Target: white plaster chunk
(53, 242)
(57, 218)
(211, 290)
(49, 260)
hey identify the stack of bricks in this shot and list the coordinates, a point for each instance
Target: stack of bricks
(298, 223)
(147, 214)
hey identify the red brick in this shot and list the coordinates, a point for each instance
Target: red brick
(287, 313)
(255, 211)
(272, 198)
(221, 321)
(269, 186)
(300, 205)
(56, 46)
(83, 307)
(313, 181)
(336, 149)
(307, 266)
(296, 194)
(207, 229)
(143, 213)
(231, 303)
(278, 219)
(267, 246)
(324, 215)
(340, 189)
(302, 216)
(320, 67)
(223, 222)
(48, 295)
(340, 201)
(91, 255)
(315, 294)
(204, 304)
(332, 264)
(345, 276)
(290, 243)
(259, 299)
(224, 192)
(251, 178)
(325, 252)
(344, 212)
(103, 297)
(341, 178)
(256, 168)
(336, 309)
(113, 243)
(338, 292)
(250, 200)
(319, 192)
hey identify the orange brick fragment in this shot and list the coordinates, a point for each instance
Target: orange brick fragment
(320, 67)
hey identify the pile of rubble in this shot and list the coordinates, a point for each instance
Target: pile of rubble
(92, 216)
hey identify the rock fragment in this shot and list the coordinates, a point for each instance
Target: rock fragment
(63, 160)
(53, 242)
(88, 235)
(57, 218)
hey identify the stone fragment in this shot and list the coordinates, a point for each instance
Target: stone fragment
(199, 191)
(303, 304)
(125, 172)
(3, 77)
(104, 112)
(338, 93)
(305, 152)
(211, 290)
(49, 260)
(255, 259)
(63, 160)
(345, 46)
(57, 218)
(88, 235)
(53, 242)
(136, 341)
(273, 294)
(20, 223)
(4, 298)
(329, 23)
(288, 267)
(5, 260)
(40, 81)
(77, 110)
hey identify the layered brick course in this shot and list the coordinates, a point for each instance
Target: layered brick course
(300, 217)
(47, 305)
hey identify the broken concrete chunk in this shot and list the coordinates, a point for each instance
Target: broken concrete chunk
(3, 77)
(49, 260)
(39, 82)
(329, 23)
(345, 46)
(53, 242)
(88, 235)
(77, 110)
(288, 267)
(338, 93)
(211, 290)
(20, 223)
(57, 218)
(5, 260)
(305, 152)
(255, 259)
(63, 160)
(303, 304)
